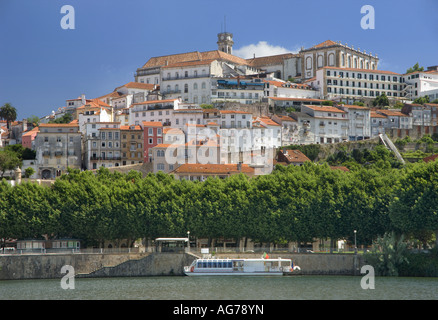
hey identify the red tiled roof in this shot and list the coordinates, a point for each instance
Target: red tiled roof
(431, 158)
(152, 124)
(325, 108)
(213, 169)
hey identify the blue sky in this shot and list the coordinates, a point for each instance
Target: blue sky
(42, 65)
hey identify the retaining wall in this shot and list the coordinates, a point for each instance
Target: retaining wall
(49, 266)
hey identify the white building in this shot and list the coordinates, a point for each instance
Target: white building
(155, 110)
(421, 83)
(359, 126)
(327, 124)
(351, 84)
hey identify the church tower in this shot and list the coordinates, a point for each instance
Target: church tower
(225, 42)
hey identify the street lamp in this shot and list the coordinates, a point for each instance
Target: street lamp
(355, 246)
(188, 241)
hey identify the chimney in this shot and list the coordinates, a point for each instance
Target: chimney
(239, 166)
(83, 99)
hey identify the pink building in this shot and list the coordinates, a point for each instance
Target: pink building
(153, 135)
(28, 137)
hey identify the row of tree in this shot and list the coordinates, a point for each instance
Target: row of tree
(291, 204)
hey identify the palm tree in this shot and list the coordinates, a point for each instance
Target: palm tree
(8, 113)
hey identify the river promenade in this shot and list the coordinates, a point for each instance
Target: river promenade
(97, 265)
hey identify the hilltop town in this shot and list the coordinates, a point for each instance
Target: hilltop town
(200, 114)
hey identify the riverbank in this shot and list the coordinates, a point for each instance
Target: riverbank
(48, 266)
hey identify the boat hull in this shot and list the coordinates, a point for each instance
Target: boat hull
(200, 274)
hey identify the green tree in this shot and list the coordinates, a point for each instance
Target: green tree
(33, 120)
(388, 254)
(28, 172)
(422, 100)
(415, 206)
(415, 68)
(8, 113)
(66, 118)
(381, 100)
(8, 161)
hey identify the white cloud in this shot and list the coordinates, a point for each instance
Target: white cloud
(261, 49)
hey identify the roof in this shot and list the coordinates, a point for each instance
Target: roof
(193, 56)
(374, 114)
(342, 168)
(188, 168)
(327, 43)
(325, 108)
(269, 60)
(152, 124)
(130, 128)
(268, 122)
(390, 113)
(285, 118)
(294, 156)
(138, 85)
(31, 132)
(431, 158)
(352, 106)
(58, 125)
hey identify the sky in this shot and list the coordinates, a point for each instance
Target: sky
(43, 64)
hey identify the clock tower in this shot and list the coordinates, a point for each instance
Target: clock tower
(225, 42)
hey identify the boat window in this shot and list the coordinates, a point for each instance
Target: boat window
(214, 264)
(209, 264)
(219, 264)
(204, 264)
(199, 265)
(230, 264)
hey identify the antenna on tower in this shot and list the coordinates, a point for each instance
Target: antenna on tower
(225, 23)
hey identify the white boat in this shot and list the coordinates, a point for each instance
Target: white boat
(238, 267)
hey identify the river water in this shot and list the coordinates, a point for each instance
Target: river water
(222, 288)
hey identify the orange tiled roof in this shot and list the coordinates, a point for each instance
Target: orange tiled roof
(152, 124)
(294, 156)
(188, 168)
(431, 158)
(389, 113)
(138, 85)
(325, 108)
(352, 106)
(326, 43)
(58, 125)
(193, 56)
(339, 168)
(269, 60)
(374, 114)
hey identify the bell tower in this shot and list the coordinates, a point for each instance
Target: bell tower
(225, 42)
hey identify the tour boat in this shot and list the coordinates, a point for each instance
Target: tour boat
(239, 267)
